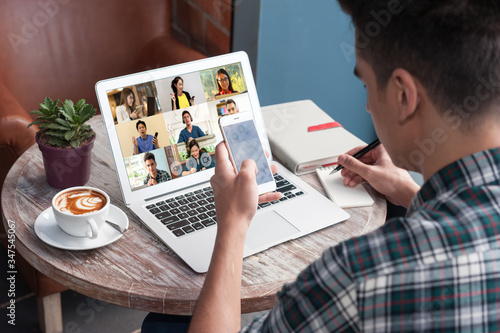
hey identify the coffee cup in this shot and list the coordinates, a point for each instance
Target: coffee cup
(81, 211)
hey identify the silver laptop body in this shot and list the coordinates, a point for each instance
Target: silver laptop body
(304, 211)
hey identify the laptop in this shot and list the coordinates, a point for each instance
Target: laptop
(176, 202)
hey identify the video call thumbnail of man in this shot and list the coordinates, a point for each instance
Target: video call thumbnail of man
(169, 128)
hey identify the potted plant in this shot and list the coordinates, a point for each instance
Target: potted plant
(65, 141)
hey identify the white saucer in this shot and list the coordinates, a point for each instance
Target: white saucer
(49, 232)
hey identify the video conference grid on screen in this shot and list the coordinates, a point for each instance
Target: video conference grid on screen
(168, 128)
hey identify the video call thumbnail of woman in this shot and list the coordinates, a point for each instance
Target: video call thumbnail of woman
(127, 109)
(180, 98)
(224, 84)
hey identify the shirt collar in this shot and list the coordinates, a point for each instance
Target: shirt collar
(478, 169)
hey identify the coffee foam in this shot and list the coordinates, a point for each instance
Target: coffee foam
(78, 202)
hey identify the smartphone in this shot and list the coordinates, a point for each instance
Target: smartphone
(156, 134)
(242, 142)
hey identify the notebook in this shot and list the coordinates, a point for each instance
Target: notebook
(296, 131)
(167, 184)
(344, 196)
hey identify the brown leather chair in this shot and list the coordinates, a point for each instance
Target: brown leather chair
(61, 48)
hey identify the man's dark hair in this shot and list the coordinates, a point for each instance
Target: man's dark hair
(190, 116)
(149, 156)
(138, 123)
(451, 46)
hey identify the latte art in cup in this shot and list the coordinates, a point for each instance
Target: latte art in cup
(78, 202)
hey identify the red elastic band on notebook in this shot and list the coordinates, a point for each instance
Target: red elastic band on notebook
(324, 126)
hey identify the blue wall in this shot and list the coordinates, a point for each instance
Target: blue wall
(306, 51)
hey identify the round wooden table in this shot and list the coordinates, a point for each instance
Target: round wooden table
(140, 272)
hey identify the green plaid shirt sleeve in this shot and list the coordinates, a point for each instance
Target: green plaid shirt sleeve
(437, 269)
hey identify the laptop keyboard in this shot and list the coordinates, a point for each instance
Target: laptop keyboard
(186, 213)
(284, 186)
(190, 212)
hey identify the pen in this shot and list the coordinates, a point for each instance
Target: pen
(359, 154)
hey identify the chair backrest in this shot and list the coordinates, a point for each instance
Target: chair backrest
(61, 48)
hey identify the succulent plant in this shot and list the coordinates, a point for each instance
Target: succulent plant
(63, 125)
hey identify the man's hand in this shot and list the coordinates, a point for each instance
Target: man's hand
(134, 141)
(377, 169)
(152, 182)
(236, 196)
(155, 142)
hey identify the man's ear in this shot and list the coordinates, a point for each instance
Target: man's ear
(407, 93)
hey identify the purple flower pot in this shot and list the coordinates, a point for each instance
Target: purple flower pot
(66, 167)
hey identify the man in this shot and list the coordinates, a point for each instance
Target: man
(191, 131)
(144, 142)
(154, 176)
(231, 106)
(432, 74)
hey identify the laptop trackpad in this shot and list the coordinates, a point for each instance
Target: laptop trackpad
(267, 229)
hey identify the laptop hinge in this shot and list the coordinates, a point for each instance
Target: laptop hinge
(177, 190)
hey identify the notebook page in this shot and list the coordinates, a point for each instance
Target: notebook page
(343, 196)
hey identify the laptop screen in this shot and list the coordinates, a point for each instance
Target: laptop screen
(168, 128)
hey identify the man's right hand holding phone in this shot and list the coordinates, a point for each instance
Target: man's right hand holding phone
(236, 195)
(236, 199)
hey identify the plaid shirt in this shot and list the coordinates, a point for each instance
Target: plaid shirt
(161, 176)
(437, 269)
